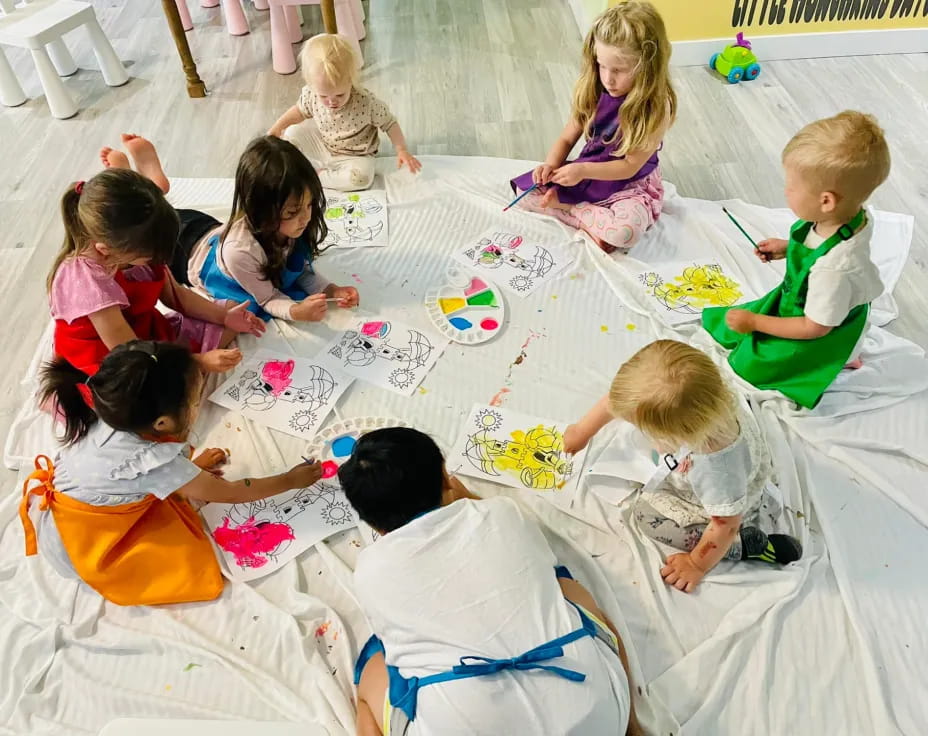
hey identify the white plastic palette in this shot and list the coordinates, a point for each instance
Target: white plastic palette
(468, 309)
(334, 445)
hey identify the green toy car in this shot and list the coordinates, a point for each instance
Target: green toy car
(736, 62)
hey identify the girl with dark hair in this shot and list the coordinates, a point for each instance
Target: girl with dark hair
(265, 253)
(118, 490)
(110, 274)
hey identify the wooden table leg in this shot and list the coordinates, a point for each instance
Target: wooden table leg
(195, 86)
(328, 16)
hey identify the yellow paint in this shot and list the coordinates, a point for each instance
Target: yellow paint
(604, 328)
(451, 304)
(554, 296)
(423, 390)
(167, 688)
(535, 457)
(630, 326)
(698, 287)
(688, 21)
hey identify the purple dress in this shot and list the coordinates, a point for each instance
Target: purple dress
(596, 150)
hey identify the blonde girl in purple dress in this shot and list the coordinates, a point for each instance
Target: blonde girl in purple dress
(623, 103)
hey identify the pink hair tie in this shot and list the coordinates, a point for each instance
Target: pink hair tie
(79, 188)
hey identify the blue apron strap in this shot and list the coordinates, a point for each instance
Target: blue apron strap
(371, 647)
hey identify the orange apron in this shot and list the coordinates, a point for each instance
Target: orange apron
(144, 553)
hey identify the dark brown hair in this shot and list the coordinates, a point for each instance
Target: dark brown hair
(269, 172)
(121, 209)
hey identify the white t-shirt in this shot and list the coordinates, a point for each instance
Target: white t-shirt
(477, 578)
(843, 278)
(109, 468)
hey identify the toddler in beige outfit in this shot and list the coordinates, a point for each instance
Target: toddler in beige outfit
(336, 123)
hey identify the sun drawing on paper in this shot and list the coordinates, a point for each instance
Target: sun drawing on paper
(371, 343)
(536, 457)
(346, 216)
(698, 287)
(500, 250)
(273, 381)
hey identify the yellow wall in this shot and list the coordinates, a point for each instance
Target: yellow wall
(689, 20)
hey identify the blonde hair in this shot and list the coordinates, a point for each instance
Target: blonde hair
(673, 392)
(636, 30)
(332, 56)
(846, 154)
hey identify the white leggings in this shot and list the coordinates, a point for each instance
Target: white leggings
(344, 173)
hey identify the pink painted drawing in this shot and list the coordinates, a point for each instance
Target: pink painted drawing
(253, 543)
(276, 374)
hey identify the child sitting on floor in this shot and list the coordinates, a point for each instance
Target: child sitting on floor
(707, 496)
(118, 489)
(110, 275)
(623, 103)
(797, 338)
(264, 254)
(464, 589)
(335, 122)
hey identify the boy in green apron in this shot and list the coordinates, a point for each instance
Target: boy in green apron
(797, 338)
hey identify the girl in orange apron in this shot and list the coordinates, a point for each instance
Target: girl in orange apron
(114, 508)
(107, 280)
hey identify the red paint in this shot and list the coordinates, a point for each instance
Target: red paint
(719, 520)
(709, 546)
(489, 324)
(329, 469)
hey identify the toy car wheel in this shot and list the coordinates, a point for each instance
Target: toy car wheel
(712, 61)
(734, 76)
(751, 72)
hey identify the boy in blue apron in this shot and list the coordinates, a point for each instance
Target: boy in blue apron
(477, 631)
(797, 338)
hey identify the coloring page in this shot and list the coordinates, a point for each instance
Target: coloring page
(256, 538)
(680, 291)
(513, 262)
(385, 353)
(519, 451)
(356, 219)
(279, 391)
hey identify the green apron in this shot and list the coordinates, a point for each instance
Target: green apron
(800, 369)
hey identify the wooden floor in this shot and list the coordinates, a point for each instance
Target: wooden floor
(465, 77)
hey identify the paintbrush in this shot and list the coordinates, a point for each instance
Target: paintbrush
(738, 225)
(527, 191)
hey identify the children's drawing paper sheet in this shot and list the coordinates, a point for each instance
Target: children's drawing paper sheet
(256, 538)
(280, 391)
(519, 451)
(681, 290)
(386, 353)
(513, 261)
(356, 219)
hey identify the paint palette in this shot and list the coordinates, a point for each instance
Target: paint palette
(334, 445)
(468, 309)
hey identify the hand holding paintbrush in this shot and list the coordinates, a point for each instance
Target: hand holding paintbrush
(771, 249)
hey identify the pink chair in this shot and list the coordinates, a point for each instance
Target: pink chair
(286, 30)
(231, 9)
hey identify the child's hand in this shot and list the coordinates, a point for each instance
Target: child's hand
(219, 361)
(740, 320)
(771, 249)
(682, 573)
(304, 475)
(542, 174)
(276, 132)
(210, 460)
(568, 175)
(238, 318)
(575, 439)
(405, 158)
(347, 296)
(312, 309)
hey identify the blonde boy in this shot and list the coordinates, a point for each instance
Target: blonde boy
(335, 123)
(799, 336)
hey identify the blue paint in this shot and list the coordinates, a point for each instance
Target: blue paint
(343, 446)
(460, 323)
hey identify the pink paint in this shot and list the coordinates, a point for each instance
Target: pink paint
(277, 373)
(251, 542)
(498, 399)
(357, 279)
(329, 469)
(320, 632)
(476, 285)
(370, 329)
(515, 241)
(489, 324)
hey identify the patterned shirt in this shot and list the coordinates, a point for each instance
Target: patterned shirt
(351, 130)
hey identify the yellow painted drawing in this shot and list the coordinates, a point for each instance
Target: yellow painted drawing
(534, 456)
(697, 287)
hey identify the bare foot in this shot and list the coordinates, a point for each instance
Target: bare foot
(146, 160)
(603, 245)
(854, 365)
(550, 200)
(113, 159)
